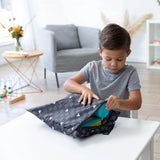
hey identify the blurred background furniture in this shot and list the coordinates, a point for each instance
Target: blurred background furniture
(67, 48)
(26, 72)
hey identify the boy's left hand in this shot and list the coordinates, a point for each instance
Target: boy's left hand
(112, 103)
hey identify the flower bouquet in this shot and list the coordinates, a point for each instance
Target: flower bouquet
(17, 33)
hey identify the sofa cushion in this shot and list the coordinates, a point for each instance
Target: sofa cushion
(80, 56)
(88, 37)
(66, 36)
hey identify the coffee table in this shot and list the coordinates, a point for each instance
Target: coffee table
(32, 57)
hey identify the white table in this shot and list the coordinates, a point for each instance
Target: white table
(28, 138)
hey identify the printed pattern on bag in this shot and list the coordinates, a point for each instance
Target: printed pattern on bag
(66, 115)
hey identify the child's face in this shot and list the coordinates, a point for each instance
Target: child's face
(114, 60)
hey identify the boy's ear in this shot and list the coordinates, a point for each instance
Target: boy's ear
(129, 52)
(100, 53)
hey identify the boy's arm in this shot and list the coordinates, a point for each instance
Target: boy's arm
(74, 85)
(133, 103)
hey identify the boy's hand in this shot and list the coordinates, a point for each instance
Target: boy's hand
(87, 94)
(112, 102)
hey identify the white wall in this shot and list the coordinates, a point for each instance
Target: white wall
(87, 12)
(22, 14)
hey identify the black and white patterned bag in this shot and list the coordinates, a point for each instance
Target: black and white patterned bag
(66, 115)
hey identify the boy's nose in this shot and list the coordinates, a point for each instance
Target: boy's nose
(113, 63)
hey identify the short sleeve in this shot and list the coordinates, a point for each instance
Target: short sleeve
(134, 82)
(85, 72)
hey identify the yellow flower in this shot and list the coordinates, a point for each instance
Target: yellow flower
(21, 32)
(16, 29)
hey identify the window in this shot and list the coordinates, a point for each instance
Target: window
(5, 15)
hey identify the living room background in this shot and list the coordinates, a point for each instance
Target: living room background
(34, 14)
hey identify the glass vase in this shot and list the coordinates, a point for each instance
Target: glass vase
(18, 45)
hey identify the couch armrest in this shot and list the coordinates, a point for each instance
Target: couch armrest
(88, 37)
(46, 42)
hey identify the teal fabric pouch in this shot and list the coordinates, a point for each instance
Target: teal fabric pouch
(95, 120)
(102, 112)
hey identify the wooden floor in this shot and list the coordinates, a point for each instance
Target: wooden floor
(150, 83)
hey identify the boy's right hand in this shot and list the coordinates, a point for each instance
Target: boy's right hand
(87, 94)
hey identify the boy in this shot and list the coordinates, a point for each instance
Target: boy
(110, 78)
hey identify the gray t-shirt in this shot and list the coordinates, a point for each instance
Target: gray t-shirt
(104, 83)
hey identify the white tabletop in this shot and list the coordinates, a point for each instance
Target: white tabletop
(28, 138)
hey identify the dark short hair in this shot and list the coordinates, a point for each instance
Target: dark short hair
(114, 37)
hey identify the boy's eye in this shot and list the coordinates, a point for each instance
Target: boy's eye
(119, 59)
(108, 59)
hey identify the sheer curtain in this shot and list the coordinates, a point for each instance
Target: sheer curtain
(5, 15)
